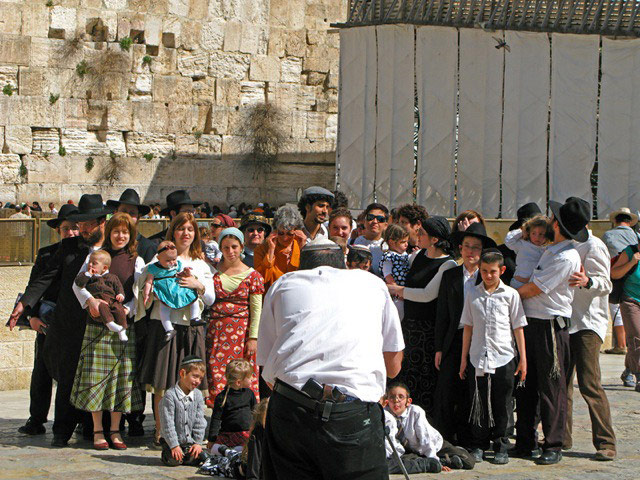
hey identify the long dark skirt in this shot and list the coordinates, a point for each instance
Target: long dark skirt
(418, 368)
(161, 364)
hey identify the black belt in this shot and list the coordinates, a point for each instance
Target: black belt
(323, 409)
(547, 320)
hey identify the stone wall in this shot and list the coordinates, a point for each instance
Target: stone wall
(171, 110)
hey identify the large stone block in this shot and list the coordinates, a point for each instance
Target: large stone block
(9, 76)
(166, 63)
(10, 18)
(296, 43)
(186, 144)
(150, 117)
(153, 30)
(228, 65)
(253, 39)
(212, 35)
(120, 116)
(35, 112)
(194, 65)
(182, 117)
(15, 50)
(10, 168)
(332, 127)
(287, 13)
(74, 140)
(291, 70)
(139, 143)
(172, 89)
(114, 4)
(18, 139)
(142, 84)
(298, 124)
(210, 144)
(227, 92)
(204, 91)
(277, 41)
(178, 7)
(316, 125)
(35, 20)
(97, 115)
(191, 32)
(46, 140)
(75, 114)
(217, 121)
(265, 68)
(32, 81)
(286, 96)
(232, 36)
(63, 18)
(252, 93)
(103, 143)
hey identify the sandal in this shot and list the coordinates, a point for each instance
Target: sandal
(117, 444)
(102, 445)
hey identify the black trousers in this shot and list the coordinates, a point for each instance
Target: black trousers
(41, 384)
(299, 445)
(449, 450)
(499, 396)
(187, 459)
(414, 464)
(452, 403)
(141, 338)
(541, 389)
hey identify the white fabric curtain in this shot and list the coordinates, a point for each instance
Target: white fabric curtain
(619, 128)
(526, 109)
(574, 92)
(481, 70)
(436, 71)
(394, 140)
(357, 115)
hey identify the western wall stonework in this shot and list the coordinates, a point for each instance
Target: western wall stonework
(100, 95)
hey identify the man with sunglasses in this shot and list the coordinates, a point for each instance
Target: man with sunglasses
(375, 223)
(315, 207)
(255, 228)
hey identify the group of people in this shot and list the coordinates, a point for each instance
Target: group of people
(248, 315)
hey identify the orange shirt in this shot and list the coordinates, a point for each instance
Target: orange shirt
(273, 270)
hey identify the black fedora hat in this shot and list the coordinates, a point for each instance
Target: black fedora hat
(526, 211)
(130, 197)
(176, 199)
(63, 214)
(90, 207)
(477, 230)
(573, 216)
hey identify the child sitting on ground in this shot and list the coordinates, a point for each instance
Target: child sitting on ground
(231, 418)
(529, 244)
(182, 422)
(394, 263)
(105, 286)
(420, 446)
(491, 310)
(162, 280)
(359, 258)
(251, 458)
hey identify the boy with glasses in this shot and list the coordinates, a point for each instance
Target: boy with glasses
(376, 217)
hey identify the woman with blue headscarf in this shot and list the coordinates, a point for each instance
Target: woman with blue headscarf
(235, 315)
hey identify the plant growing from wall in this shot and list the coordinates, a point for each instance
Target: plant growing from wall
(62, 151)
(53, 98)
(8, 89)
(49, 3)
(125, 43)
(146, 60)
(112, 171)
(197, 134)
(89, 164)
(82, 68)
(22, 171)
(263, 135)
(148, 156)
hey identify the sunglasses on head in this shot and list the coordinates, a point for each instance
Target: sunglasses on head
(167, 247)
(255, 229)
(379, 218)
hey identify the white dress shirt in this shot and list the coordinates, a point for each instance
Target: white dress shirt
(420, 437)
(527, 255)
(551, 275)
(430, 291)
(468, 281)
(492, 316)
(332, 325)
(376, 247)
(590, 305)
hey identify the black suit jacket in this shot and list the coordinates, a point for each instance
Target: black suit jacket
(450, 305)
(51, 294)
(157, 238)
(146, 248)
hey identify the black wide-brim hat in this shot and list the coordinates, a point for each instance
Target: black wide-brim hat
(573, 216)
(90, 207)
(130, 197)
(477, 230)
(63, 214)
(255, 219)
(176, 199)
(526, 211)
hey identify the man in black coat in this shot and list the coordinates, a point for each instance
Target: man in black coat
(177, 202)
(452, 403)
(41, 379)
(65, 334)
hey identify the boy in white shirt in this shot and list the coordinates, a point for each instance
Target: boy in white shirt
(491, 310)
(420, 446)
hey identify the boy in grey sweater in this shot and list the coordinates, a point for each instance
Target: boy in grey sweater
(182, 422)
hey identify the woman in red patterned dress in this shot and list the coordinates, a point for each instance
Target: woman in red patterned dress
(235, 315)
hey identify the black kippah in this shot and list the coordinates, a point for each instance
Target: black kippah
(189, 359)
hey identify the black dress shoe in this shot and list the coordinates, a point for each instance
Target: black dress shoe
(549, 458)
(169, 335)
(32, 428)
(136, 429)
(524, 453)
(477, 454)
(59, 441)
(501, 458)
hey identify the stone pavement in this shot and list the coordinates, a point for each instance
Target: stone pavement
(31, 457)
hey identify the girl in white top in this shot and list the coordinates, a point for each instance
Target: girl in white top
(529, 243)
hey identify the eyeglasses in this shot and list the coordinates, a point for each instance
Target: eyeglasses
(473, 248)
(216, 225)
(379, 218)
(255, 229)
(397, 397)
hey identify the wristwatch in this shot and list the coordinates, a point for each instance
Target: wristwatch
(589, 283)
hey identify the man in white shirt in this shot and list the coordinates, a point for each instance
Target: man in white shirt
(547, 299)
(328, 339)
(375, 223)
(588, 328)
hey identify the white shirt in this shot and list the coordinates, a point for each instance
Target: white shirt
(590, 306)
(468, 282)
(323, 233)
(527, 255)
(431, 290)
(183, 397)
(492, 316)
(83, 295)
(420, 436)
(551, 275)
(376, 247)
(331, 325)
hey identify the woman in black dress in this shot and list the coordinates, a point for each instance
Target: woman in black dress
(420, 300)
